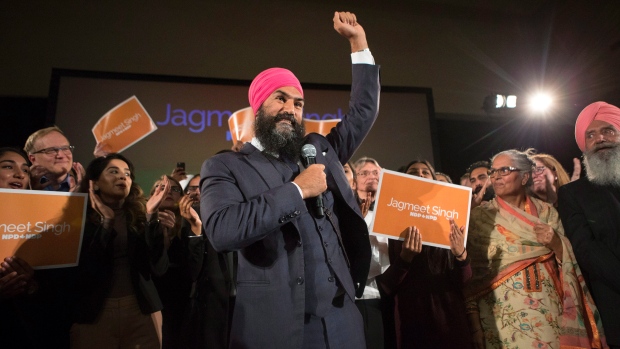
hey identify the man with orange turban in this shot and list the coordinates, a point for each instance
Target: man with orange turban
(299, 268)
(590, 211)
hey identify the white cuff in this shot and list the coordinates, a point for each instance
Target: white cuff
(301, 193)
(362, 57)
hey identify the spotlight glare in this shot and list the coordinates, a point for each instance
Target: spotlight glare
(511, 101)
(500, 101)
(540, 102)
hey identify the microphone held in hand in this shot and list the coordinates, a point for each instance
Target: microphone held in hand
(308, 154)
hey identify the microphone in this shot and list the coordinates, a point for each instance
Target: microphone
(308, 154)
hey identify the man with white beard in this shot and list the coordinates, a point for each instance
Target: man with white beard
(590, 211)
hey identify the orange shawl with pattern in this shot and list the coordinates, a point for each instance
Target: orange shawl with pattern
(502, 242)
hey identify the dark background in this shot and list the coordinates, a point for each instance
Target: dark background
(463, 51)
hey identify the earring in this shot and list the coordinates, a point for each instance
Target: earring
(556, 179)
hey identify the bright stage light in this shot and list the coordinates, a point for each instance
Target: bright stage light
(500, 101)
(511, 101)
(540, 102)
(494, 104)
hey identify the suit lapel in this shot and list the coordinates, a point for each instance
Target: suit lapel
(265, 167)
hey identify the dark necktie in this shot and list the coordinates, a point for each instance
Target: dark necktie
(291, 164)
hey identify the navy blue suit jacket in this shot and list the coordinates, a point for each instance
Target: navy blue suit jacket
(249, 207)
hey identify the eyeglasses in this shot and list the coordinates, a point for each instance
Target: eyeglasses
(502, 171)
(67, 150)
(538, 170)
(191, 188)
(368, 173)
(175, 189)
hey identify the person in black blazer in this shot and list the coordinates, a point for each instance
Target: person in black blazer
(590, 211)
(298, 272)
(117, 304)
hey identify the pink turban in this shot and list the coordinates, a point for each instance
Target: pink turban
(595, 111)
(268, 81)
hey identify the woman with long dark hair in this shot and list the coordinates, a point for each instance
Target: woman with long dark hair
(122, 249)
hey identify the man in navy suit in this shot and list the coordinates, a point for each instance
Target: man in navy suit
(298, 271)
(590, 211)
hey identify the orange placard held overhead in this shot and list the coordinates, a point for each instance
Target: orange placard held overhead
(404, 200)
(43, 228)
(123, 126)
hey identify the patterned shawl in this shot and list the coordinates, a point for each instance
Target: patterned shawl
(502, 242)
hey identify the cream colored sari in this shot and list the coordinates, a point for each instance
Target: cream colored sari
(525, 296)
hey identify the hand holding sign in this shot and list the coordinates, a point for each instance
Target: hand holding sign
(20, 277)
(457, 241)
(412, 246)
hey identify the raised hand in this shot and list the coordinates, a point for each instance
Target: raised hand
(179, 174)
(457, 241)
(576, 170)
(312, 181)
(412, 246)
(365, 204)
(189, 213)
(158, 196)
(102, 149)
(105, 212)
(552, 195)
(36, 173)
(476, 199)
(79, 175)
(345, 23)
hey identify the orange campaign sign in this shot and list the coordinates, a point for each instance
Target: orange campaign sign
(241, 125)
(404, 200)
(43, 228)
(321, 127)
(123, 126)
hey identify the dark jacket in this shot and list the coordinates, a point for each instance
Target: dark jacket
(590, 215)
(147, 257)
(248, 205)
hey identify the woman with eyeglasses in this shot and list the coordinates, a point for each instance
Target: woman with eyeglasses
(427, 284)
(548, 175)
(527, 289)
(122, 249)
(184, 247)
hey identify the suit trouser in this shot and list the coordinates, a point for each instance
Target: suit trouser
(121, 324)
(342, 328)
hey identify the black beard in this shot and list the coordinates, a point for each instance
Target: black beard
(489, 194)
(285, 143)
